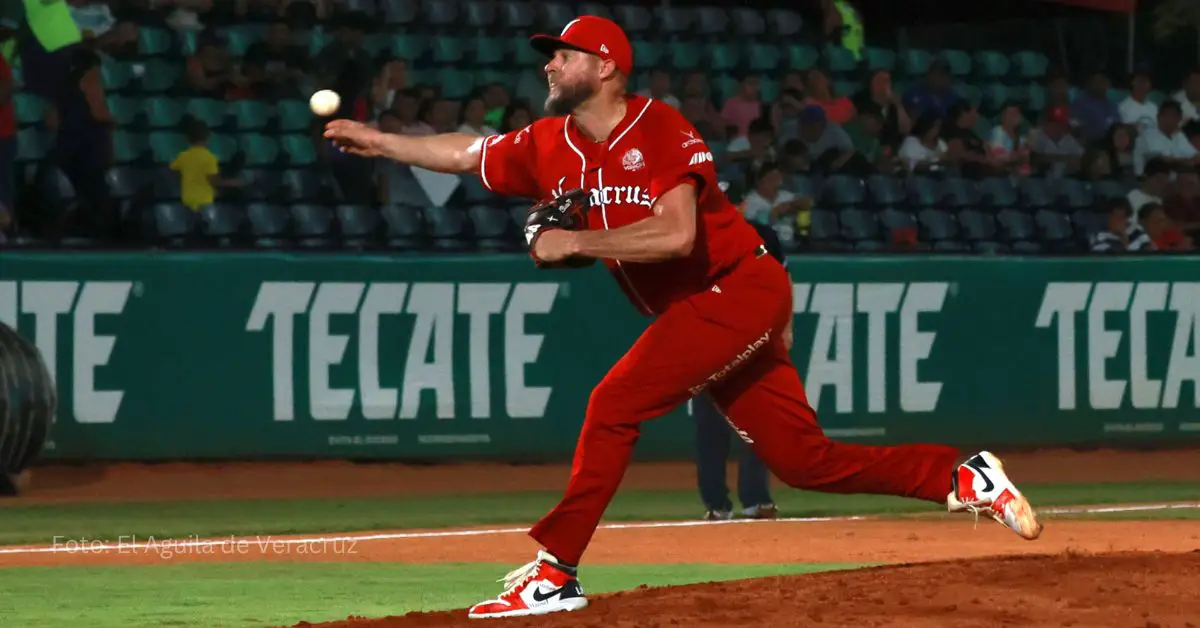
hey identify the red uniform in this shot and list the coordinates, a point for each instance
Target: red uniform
(719, 313)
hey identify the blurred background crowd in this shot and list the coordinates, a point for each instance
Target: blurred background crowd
(185, 123)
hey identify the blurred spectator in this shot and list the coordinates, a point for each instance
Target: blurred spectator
(471, 118)
(1165, 235)
(517, 116)
(6, 224)
(1118, 145)
(1154, 185)
(843, 26)
(407, 107)
(1183, 205)
(495, 98)
(865, 133)
(785, 115)
(1095, 165)
(896, 122)
(347, 67)
(392, 178)
(768, 202)
(260, 9)
(210, 72)
(185, 14)
(252, 83)
(792, 79)
(1189, 96)
(820, 92)
(439, 114)
(754, 150)
(795, 158)
(8, 138)
(1092, 113)
(745, 106)
(1118, 237)
(1006, 144)
(699, 111)
(934, 94)
(964, 147)
(1058, 89)
(101, 31)
(1164, 140)
(660, 88)
(829, 147)
(83, 145)
(924, 151)
(199, 169)
(1137, 109)
(1056, 153)
(391, 78)
(1191, 130)
(282, 60)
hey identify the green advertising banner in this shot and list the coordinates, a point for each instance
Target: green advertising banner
(243, 355)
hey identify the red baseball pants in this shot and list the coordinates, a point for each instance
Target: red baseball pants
(727, 338)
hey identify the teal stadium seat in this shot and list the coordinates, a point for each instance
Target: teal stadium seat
(847, 88)
(1155, 96)
(959, 62)
(117, 75)
(32, 144)
(839, 60)
(647, 54)
(456, 83)
(972, 93)
(225, 147)
(165, 145)
(994, 97)
(489, 51)
(523, 54)
(487, 76)
(377, 44)
(769, 89)
(1030, 64)
(124, 109)
(153, 41)
(30, 109)
(239, 38)
(686, 55)
(1037, 98)
(294, 115)
(260, 150)
(187, 42)
(448, 49)
(916, 62)
(250, 115)
(880, 59)
(762, 57)
(726, 86)
(128, 147)
(802, 57)
(210, 112)
(723, 57)
(990, 64)
(1117, 95)
(318, 39)
(161, 76)
(163, 112)
(408, 46)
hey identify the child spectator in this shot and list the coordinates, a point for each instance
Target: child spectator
(1119, 237)
(1006, 144)
(471, 122)
(199, 170)
(1161, 231)
(924, 151)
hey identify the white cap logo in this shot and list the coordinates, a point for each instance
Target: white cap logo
(603, 48)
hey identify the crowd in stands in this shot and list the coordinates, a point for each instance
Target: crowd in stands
(172, 118)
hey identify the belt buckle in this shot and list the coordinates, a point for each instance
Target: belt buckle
(760, 251)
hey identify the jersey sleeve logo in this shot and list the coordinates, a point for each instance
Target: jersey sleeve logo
(701, 157)
(691, 139)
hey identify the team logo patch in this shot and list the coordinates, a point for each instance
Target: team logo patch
(633, 160)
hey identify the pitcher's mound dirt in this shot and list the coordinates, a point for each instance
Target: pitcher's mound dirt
(1132, 589)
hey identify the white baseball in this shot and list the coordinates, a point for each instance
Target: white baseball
(324, 102)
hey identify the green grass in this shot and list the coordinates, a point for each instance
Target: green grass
(271, 594)
(108, 521)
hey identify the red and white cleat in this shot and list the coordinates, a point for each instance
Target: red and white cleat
(980, 486)
(540, 587)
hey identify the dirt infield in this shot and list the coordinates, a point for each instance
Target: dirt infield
(1143, 590)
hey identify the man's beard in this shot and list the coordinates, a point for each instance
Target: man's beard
(569, 97)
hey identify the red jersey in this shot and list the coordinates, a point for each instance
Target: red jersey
(8, 118)
(650, 152)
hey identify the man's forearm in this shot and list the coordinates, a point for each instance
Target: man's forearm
(653, 239)
(446, 152)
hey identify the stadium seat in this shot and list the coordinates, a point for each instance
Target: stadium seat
(128, 147)
(359, 224)
(1036, 193)
(125, 110)
(762, 57)
(221, 223)
(633, 18)
(294, 115)
(893, 219)
(711, 21)
(675, 20)
(802, 57)
(726, 86)
(116, 75)
(225, 147)
(884, 191)
(870, 246)
(938, 224)
(153, 41)
(32, 144)
(803, 185)
(440, 12)
(957, 193)
(991, 64)
(839, 61)
(1036, 101)
(303, 185)
(950, 246)
(1015, 225)
(520, 15)
(269, 224)
(480, 13)
(880, 59)
(30, 109)
(959, 62)
(447, 49)
(298, 150)
(125, 182)
(447, 227)
(916, 62)
(1087, 222)
(250, 115)
(977, 225)
(1072, 193)
(1025, 246)
(769, 89)
(239, 37)
(1054, 226)
(843, 190)
(160, 76)
(313, 225)
(163, 113)
(262, 184)
(686, 55)
(399, 12)
(164, 146)
(472, 190)
(599, 9)
(404, 225)
(990, 248)
(409, 46)
(173, 223)
(209, 111)
(260, 150)
(971, 93)
(785, 23)
(998, 192)
(1106, 189)
(724, 56)
(922, 191)
(859, 224)
(748, 22)
(457, 83)
(1029, 64)
(823, 226)
(555, 15)
(489, 51)
(492, 227)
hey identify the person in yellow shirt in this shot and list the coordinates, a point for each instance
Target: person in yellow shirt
(199, 170)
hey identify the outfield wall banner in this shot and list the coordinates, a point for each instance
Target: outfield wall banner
(224, 355)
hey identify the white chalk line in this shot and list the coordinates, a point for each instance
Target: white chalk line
(90, 547)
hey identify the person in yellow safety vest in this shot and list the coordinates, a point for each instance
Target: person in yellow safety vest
(45, 45)
(842, 22)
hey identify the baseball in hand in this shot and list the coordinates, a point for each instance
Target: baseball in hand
(324, 102)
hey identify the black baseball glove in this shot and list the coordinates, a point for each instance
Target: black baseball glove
(568, 212)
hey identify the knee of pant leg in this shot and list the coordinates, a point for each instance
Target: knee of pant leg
(613, 401)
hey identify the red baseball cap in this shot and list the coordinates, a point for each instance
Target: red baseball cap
(591, 34)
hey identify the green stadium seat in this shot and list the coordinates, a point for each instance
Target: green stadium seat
(251, 115)
(802, 57)
(124, 109)
(1117, 95)
(448, 49)
(161, 76)
(239, 38)
(839, 60)
(916, 62)
(762, 57)
(991, 64)
(318, 39)
(647, 54)
(294, 115)
(686, 55)
(260, 150)
(959, 62)
(116, 75)
(409, 47)
(486, 76)
(210, 112)
(1030, 64)
(225, 147)
(378, 44)
(455, 83)
(1037, 98)
(187, 42)
(971, 93)
(30, 109)
(32, 144)
(128, 147)
(723, 57)
(994, 97)
(489, 50)
(769, 89)
(299, 150)
(165, 145)
(153, 41)
(725, 86)
(1156, 97)
(523, 54)
(880, 59)
(163, 113)
(846, 88)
